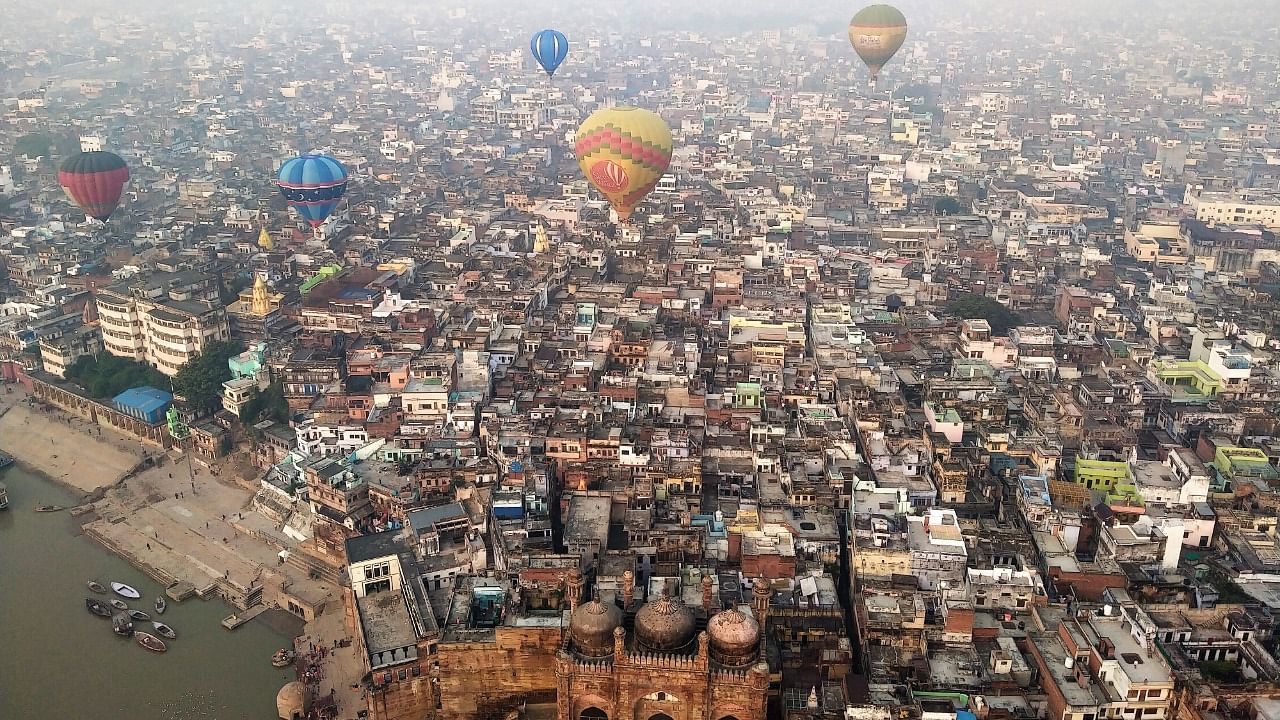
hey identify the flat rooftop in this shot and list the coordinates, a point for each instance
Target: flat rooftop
(386, 622)
(588, 519)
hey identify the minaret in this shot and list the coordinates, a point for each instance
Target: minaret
(573, 586)
(264, 240)
(760, 594)
(261, 305)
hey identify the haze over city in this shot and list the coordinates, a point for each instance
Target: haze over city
(640, 360)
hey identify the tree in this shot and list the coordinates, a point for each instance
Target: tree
(1221, 671)
(105, 376)
(36, 145)
(33, 146)
(266, 405)
(947, 206)
(200, 379)
(970, 306)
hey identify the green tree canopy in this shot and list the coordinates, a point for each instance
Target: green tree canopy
(1222, 671)
(35, 145)
(947, 206)
(266, 405)
(970, 306)
(105, 376)
(200, 379)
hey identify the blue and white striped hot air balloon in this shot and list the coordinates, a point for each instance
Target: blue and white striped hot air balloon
(549, 48)
(313, 184)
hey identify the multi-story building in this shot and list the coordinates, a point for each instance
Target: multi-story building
(60, 353)
(1101, 667)
(163, 319)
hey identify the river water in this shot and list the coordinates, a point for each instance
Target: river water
(59, 661)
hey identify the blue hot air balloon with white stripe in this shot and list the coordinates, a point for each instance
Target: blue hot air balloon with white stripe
(549, 47)
(313, 184)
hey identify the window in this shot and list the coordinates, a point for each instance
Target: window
(593, 713)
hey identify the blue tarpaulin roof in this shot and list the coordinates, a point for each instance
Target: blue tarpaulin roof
(146, 398)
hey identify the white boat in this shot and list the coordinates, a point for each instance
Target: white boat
(125, 591)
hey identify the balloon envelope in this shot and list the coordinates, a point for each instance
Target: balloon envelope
(313, 184)
(876, 33)
(549, 48)
(623, 152)
(94, 181)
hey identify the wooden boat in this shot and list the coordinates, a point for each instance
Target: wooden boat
(121, 624)
(282, 658)
(5, 460)
(97, 607)
(49, 508)
(161, 606)
(164, 630)
(139, 616)
(118, 604)
(96, 586)
(150, 642)
(4, 496)
(125, 591)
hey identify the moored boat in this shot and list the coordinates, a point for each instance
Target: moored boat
(161, 606)
(97, 607)
(125, 591)
(96, 586)
(118, 604)
(164, 630)
(4, 496)
(5, 460)
(139, 616)
(150, 642)
(283, 658)
(49, 508)
(121, 624)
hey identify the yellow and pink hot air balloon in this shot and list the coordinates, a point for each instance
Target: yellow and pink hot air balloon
(623, 152)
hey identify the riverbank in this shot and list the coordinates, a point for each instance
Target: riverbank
(179, 521)
(64, 449)
(207, 672)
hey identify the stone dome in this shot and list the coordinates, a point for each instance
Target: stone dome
(734, 637)
(291, 701)
(664, 624)
(591, 627)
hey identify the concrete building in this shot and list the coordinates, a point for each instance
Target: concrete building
(163, 319)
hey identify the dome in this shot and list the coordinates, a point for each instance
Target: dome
(291, 701)
(734, 637)
(664, 625)
(591, 627)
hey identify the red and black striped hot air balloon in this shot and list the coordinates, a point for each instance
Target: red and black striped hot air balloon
(94, 181)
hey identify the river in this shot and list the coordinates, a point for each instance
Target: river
(59, 661)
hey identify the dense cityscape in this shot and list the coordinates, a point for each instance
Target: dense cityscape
(715, 361)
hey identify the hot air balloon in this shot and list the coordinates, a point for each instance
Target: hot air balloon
(93, 181)
(549, 48)
(313, 184)
(876, 33)
(623, 151)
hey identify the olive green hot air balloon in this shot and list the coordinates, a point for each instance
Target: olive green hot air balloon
(876, 33)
